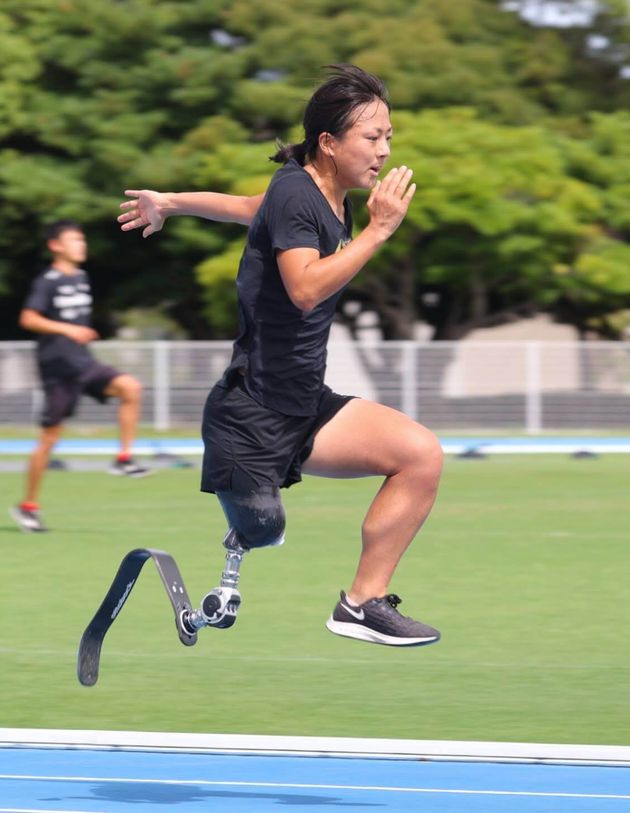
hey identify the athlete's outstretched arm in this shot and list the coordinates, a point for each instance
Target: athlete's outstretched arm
(149, 209)
(310, 279)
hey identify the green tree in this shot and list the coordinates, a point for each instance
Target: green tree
(497, 210)
(96, 97)
(101, 95)
(595, 287)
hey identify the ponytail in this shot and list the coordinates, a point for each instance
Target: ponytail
(288, 151)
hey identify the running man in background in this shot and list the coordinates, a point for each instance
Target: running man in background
(271, 417)
(59, 309)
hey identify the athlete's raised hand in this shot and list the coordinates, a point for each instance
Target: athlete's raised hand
(147, 209)
(390, 199)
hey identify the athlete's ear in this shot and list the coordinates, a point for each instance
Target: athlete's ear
(326, 144)
(53, 245)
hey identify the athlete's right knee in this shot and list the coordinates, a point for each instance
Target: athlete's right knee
(256, 516)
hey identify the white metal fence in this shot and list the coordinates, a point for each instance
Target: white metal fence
(516, 386)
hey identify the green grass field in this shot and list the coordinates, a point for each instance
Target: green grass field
(523, 565)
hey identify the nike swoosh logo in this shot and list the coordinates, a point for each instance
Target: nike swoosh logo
(358, 614)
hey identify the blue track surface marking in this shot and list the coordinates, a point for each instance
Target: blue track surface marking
(451, 445)
(104, 781)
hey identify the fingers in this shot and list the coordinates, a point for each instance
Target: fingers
(411, 191)
(140, 212)
(375, 189)
(388, 202)
(403, 180)
(136, 220)
(125, 218)
(133, 218)
(85, 335)
(385, 184)
(397, 180)
(136, 223)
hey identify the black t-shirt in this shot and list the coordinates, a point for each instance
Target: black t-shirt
(63, 298)
(281, 348)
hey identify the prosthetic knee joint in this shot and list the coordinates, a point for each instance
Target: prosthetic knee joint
(219, 606)
(256, 520)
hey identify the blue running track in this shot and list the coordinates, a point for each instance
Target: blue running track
(67, 780)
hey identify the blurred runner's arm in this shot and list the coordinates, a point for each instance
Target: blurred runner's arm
(34, 321)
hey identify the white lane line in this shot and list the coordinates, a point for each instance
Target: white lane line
(308, 786)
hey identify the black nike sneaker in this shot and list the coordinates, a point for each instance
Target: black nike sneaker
(379, 622)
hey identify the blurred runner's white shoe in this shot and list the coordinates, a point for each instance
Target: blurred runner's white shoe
(128, 468)
(29, 520)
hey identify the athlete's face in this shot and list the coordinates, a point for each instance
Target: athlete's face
(70, 246)
(360, 152)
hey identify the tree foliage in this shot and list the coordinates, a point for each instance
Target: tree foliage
(506, 221)
(516, 133)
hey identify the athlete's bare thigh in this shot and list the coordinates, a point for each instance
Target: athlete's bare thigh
(365, 438)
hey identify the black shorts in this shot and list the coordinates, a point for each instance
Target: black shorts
(61, 395)
(247, 445)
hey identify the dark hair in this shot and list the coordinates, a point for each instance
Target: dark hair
(56, 229)
(331, 108)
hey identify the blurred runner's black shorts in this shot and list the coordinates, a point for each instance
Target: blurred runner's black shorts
(61, 396)
(247, 445)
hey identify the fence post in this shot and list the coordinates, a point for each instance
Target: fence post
(37, 403)
(533, 394)
(409, 397)
(161, 386)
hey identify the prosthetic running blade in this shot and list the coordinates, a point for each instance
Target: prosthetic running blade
(117, 595)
